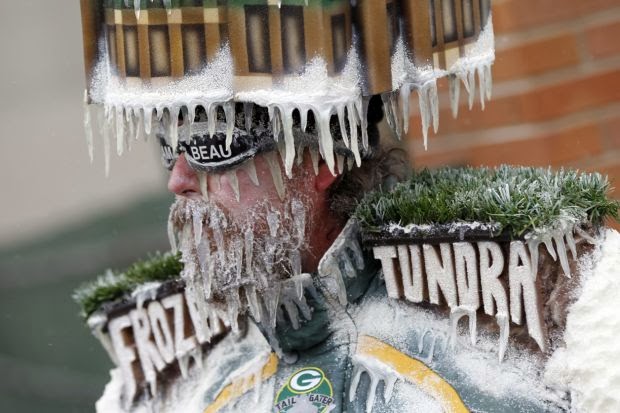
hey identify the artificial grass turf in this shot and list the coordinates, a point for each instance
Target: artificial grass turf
(115, 285)
(519, 200)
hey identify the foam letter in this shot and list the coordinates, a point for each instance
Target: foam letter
(386, 255)
(161, 331)
(440, 273)
(125, 354)
(466, 275)
(147, 351)
(522, 284)
(411, 270)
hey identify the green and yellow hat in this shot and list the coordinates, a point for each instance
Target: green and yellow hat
(258, 75)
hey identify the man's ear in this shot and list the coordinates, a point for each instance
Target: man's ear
(324, 179)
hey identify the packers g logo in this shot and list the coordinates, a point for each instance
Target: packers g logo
(307, 390)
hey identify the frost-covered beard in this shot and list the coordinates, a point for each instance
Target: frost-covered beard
(236, 265)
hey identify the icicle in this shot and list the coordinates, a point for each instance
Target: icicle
(250, 293)
(211, 118)
(421, 341)
(561, 250)
(502, 321)
(314, 155)
(455, 94)
(229, 111)
(203, 251)
(583, 234)
(203, 181)
(343, 128)
(363, 116)
(570, 241)
(174, 126)
(471, 81)
(250, 168)
(207, 281)
(455, 315)
(96, 322)
(153, 386)
(171, 237)
(390, 382)
(216, 223)
(271, 300)
(532, 246)
(550, 249)
(129, 118)
(425, 114)
(140, 125)
(197, 228)
(325, 139)
(303, 114)
(357, 374)
(276, 173)
(106, 141)
(387, 107)
(353, 125)
(196, 354)
(482, 84)
(274, 121)
(120, 131)
(292, 314)
(488, 78)
(431, 351)
(183, 362)
(405, 93)
(394, 111)
(434, 102)
(233, 305)
(289, 141)
(88, 127)
(148, 121)
(249, 250)
(234, 183)
(372, 391)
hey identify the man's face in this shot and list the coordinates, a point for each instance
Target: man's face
(234, 246)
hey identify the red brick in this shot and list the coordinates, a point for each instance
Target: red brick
(512, 15)
(536, 57)
(538, 105)
(611, 133)
(421, 158)
(555, 149)
(603, 41)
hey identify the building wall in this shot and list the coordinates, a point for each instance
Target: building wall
(556, 94)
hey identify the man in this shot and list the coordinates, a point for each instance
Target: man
(268, 116)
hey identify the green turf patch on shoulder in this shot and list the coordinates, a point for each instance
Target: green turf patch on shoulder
(115, 285)
(518, 200)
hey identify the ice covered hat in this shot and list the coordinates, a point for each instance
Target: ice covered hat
(229, 79)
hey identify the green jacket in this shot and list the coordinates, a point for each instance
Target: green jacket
(360, 351)
(370, 353)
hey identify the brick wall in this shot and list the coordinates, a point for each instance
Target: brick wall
(556, 93)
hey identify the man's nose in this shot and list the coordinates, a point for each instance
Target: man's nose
(183, 179)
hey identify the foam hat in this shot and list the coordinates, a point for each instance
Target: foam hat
(269, 74)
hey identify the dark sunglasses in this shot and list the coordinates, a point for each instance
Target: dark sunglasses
(207, 153)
